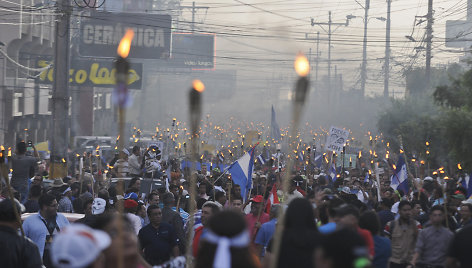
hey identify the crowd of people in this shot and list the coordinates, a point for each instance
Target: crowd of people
(87, 219)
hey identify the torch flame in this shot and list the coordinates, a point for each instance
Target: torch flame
(198, 85)
(301, 64)
(63, 160)
(360, 154)
(459, 166)
(2, 148)
(9, 151)
(125, 44)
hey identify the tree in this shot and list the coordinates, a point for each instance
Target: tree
(456, 118)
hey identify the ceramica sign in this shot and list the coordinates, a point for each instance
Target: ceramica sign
(101, 33)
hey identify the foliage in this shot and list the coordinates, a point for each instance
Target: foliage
(456, 118)
(442, 117)
(416, 121)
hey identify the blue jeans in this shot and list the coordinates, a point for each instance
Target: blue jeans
(23, 190)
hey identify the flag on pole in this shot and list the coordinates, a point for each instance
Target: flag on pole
(221, 157)
(332, 172)
(274, 127)
(261, 159)
(273, 198)
(300, 156)
(241, 172)
(318, 161)
(399, 179)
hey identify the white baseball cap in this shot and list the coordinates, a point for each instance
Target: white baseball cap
(78, 246)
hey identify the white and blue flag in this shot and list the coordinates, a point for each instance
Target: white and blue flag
(261, 159)
(241, 172)
(399, 180)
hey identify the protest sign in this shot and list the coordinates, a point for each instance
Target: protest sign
(336, 139)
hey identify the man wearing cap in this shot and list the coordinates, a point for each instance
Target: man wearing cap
(256, 217)
(43, 226)
(17, 251)
(208, 209)
(65, 204)
(130, 211)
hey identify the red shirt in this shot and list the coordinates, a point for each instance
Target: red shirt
(251, 220)
(369, 241)
(196, 240)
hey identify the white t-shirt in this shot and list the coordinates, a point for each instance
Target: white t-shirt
(295, 194)
(135, 220)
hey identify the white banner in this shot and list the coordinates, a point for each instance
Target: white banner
(337, 139)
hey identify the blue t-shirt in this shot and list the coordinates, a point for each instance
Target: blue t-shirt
(383, 251)
(265, 234)
(327, 228)
(157, 243)
(36, 230)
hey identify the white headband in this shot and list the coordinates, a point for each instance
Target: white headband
(223, 254)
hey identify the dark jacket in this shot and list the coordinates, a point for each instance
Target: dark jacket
(17, 251)
(173, 218)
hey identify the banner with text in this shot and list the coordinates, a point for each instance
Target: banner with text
(195, 51)
(92, 73)
(101, 33)
(336, 139)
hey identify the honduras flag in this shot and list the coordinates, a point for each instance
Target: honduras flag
(300, 156)
(318, 161)
(333, 172)
(399, 180)
(261, 159)
(241, 172)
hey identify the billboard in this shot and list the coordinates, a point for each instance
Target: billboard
(92, 73)
(101, 33)
(458, 33)
(196, 51)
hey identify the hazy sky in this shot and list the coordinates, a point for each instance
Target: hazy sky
(263, 36)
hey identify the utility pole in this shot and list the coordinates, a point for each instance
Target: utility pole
(387, 52)
(330, 23)
(317, 53)
(60, 93)
(194, 9)
(429, 40)
(364, 49)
